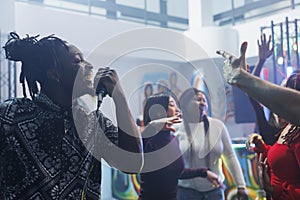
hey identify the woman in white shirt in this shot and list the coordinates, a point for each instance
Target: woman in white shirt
(203, 141)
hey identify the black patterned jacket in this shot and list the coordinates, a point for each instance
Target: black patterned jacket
(46, 153)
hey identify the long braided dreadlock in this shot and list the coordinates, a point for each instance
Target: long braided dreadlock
(36, 56)
(293, 82)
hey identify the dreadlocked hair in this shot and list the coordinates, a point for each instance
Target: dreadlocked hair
(292, 135)
(292, 82)
(36, 57)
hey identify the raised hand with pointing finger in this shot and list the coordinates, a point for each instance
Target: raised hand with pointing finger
(234, 66)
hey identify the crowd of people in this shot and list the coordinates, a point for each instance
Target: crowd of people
(51, 146)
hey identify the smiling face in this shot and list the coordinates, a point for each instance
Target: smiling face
(195, 107)
(201, 103)
(75, 72)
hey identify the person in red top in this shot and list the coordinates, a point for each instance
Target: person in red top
(281, 174)
(284, 182)
(281, 168)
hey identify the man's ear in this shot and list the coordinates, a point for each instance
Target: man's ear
(53, 74)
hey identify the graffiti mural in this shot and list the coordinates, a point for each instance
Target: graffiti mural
(126, 187)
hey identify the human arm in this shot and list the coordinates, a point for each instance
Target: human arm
(260, 145)
(163, 123)
(189, 173)
(266, 130)
(155, 126)
(230, 160)
(264, 52)
(286, 104)
(129, 139)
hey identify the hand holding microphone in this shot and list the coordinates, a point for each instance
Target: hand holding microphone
(105, 82)
(101, 92)
(100, 89)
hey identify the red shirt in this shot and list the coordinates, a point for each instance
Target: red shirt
(284, 163)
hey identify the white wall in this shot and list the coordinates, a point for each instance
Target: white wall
(7, 19)
(86, 32)
(205, 34)
(211, 39)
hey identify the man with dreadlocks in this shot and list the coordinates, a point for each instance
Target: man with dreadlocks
(50, 146)
(281, 168)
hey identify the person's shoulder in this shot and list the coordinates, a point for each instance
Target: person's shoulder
(215, 121)
(13, 104)
(16, 106)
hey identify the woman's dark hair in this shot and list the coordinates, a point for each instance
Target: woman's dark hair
(36, 56)
(156, 107)
(186, 97)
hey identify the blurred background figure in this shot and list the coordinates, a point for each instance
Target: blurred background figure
(205, 141)
(163, 162)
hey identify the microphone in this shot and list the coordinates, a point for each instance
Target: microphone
(101, 92)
